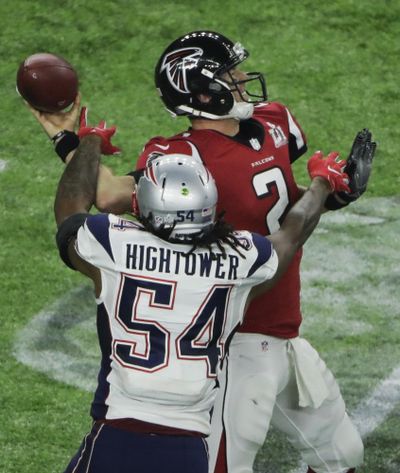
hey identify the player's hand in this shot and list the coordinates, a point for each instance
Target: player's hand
(329, 168)
(100, 130)
(53, 123)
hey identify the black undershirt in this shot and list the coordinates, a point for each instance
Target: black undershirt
(249, 130)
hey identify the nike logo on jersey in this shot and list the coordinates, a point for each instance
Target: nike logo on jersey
(164, 147)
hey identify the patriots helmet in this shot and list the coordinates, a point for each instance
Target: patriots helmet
(177, 193)
(202, 62)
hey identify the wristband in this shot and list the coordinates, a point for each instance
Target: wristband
(65, 141)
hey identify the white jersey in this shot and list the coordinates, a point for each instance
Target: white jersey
(165, 318)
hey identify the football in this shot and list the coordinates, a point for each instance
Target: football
(47, 82)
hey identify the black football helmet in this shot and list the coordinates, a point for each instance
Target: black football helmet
(201, 62)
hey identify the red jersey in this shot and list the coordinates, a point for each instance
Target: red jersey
(256, 188)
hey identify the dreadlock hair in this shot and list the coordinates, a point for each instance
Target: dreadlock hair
(222, 232)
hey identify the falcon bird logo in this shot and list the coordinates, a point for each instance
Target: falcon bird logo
(177, 63)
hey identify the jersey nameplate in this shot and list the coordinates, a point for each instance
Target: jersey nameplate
(165, 260)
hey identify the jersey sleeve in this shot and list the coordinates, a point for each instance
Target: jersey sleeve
(93, 241)
(265, 264)
(297, 138)
(262, 260)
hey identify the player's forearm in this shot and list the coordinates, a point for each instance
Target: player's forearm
(76, 191)
(114, 193)
(302, 190)
(305, 214)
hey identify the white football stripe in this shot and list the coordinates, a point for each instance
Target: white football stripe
(374, 409)
(3, 165)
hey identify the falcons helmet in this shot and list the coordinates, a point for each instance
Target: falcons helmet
(201, 62)
(177, 193)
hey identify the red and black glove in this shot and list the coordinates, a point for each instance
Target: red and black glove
(100, 130)
(329, 168)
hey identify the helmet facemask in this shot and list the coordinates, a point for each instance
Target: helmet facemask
(243, 99)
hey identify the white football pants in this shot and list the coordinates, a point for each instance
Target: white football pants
(267, 380)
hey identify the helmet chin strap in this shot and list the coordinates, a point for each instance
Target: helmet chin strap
(239, 111)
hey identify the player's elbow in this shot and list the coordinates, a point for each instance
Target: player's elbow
(105, 202)
(114, 194)
(110, 202)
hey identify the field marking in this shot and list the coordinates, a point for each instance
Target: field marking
(49, 342)
(374, 409)
(3, 165)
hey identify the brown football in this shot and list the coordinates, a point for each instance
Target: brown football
(47, 82)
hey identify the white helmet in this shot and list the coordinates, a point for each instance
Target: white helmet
(177, 192)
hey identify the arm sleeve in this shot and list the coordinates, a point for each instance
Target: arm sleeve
(66, 232)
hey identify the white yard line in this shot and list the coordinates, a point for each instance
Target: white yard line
(374, 409)
(3, 165)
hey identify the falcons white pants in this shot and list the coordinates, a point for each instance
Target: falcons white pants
(283, 382)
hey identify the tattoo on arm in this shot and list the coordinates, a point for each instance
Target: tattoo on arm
(77, 187)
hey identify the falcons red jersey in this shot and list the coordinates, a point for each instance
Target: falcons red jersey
(256, 188)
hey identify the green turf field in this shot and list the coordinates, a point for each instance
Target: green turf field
(336, 65)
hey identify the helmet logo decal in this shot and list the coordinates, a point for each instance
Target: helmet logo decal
(177, 63)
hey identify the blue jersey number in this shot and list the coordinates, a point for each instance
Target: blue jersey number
(148, 348)
(202, 339)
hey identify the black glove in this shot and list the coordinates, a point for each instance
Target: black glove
(358, 168)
